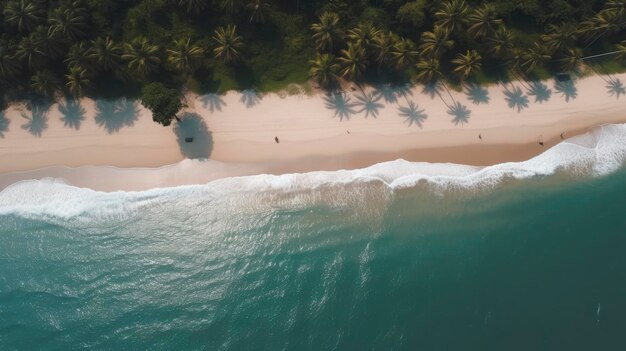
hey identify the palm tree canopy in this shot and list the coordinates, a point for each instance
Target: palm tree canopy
(69, 22)
(353, 61)
(45, 82)
(257, 10)
(452, 15)
(142, 56)
(184, 56)
(572, 59)
(484, 21)
(106, 53)
(31, 52)
(24, 15)
(51, 43)
(500, 42)
(77, 81)
(468, 63)
(9, 64)
(428, 70)
(229, 43)
(621, 47)
(434, 43)
(533, 57)
(324, 69)
(363, 35)
(560, 37)
(79, 56)
(403, 53)
(326, 32)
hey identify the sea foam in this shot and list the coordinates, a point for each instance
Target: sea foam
(598, 152)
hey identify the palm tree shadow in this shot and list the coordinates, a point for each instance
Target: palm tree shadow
(567, 89)
(412, 114)
(116, 114)
(540, 91)
(340, 103)
(460, 113)
(73, 113)
(390, 93)
(4, 124)
(516, 99)
(250, 98)
(38, 120)
(213, 101)
(370, 104)
(432, 89)
(616, 88)
(477, 94)
(193, 136)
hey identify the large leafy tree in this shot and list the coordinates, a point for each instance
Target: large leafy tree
(163, 102)
(484, 21)
(327, 33)
(324, 69)
(434, 43)
(468, 63)
(24, 15)
(353, 61)
(229, 44)
(184, 56)
(452, 15)
(142, 57)
(77, 81)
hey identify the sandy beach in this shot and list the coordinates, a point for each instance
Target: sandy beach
(115, 145)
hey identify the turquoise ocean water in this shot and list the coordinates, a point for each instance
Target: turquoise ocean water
(524, 257)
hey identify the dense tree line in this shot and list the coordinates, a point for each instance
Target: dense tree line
(91, 47)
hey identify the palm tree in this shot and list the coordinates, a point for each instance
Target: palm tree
(382, 46)
(452, 15)
(23, 14)
(467, 64)
(559, 38)
(324, 69)
(403, 53)
(230, 4)
(621, 48)
(68, 22)
(79, 56)
(193, 6)
(572, 59)
(9, 64)
(533, 57)
(77, 81)
(500, 42)
(257, 10)
(51, 43)
(31, 52)
(353, 61)
(363, 35)
(484, 21)
(45, 82)
(326, 32)
(607, 21)
(434, 43)
(428, 70)
(106, 54)
(229, 43)
(142, 56)
(184, 56)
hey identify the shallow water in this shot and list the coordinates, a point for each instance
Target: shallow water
(323, 261)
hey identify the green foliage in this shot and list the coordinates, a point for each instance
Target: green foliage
(163, 102)
(412, 13)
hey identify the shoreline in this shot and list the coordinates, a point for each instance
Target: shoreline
(117, 140)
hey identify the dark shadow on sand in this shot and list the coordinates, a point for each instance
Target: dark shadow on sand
(566, 89)
(516, 99)
(73, 114)
(476, 93)
(4, 124)
(369, 103)
(432, 89)
(460, 113)
(37, 122)
(116, 114)
(391, 93)
(250, 98)
(412, 114)
(340, 103)
(540, 91)
(616, 87)
(213, 101)
(191, 125)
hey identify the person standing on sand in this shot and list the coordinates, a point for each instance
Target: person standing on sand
(276, 140)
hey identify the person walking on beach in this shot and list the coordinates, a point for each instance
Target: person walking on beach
(276, 140)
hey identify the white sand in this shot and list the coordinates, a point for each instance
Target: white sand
(311, 135)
